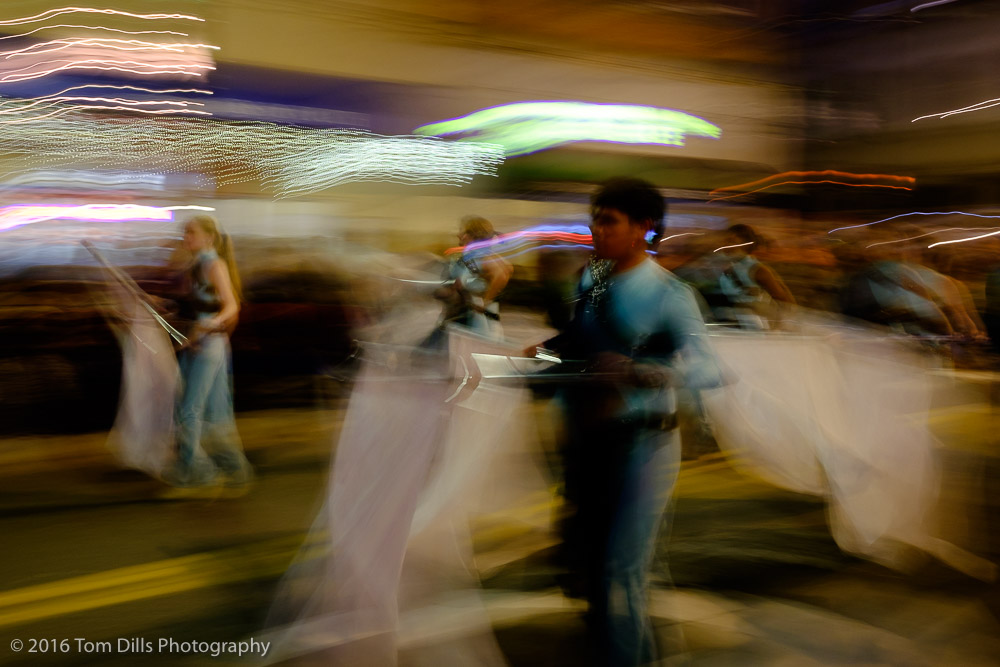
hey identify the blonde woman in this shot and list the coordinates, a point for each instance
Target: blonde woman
(205, 404)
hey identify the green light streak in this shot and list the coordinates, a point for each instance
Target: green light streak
(527, 127)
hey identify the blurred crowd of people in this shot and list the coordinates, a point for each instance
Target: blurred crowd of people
(631, 311)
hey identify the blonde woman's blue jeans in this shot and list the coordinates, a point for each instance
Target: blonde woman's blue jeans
(205, 413)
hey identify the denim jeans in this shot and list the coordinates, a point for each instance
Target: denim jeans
(205, 412)
(620, 480)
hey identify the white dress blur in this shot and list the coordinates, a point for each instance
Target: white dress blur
(841, 413)
(142, 437)
(416, 458)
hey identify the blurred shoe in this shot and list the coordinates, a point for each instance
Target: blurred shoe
(241, 477)
(199, 474)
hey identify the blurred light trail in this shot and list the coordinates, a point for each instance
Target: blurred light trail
(905, 215)
(105, 42)
(53, 101)
(26, 214)
(50, 13)
(106, 64)
(133, 106)
(815, 177)
(161, 91)
(571, 234)
(288, 160)
(582, 246)
(97, 27)
(936, 231)
(87, 179)
(986, 104)
(928, 5)
(674, 236)
(738, 245)
(968, 238)
(527, 127)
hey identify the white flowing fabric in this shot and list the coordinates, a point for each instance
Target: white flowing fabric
(842, 413)
(415, 456)
(142, 435)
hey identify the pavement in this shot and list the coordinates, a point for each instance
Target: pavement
(115, 560)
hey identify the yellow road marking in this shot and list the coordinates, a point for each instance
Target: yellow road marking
(245, 563)
(145, 581)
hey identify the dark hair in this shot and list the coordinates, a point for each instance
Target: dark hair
(636, 198)
(746, 234)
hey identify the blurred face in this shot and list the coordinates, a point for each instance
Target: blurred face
(196, 239)
(615, 235)
(739, 246)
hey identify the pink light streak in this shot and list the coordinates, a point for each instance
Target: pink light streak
(27, 214)
(107, 43)
(523, 236)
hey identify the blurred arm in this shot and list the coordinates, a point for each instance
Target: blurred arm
(497, 272)
(772, 283)
(218, 274)
(693, 364)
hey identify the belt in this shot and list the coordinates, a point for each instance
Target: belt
(656, 421)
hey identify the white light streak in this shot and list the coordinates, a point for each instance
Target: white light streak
(287, 160)
(147, 69)
(160, 91)
(29, 111)
(98, 27)
(673, 236)
(51, 13)
(979, 106)
(968, 238)
(52, 101)
(936, 231)
(90, 179)
(94, 107)
(905, 215)
(738, 245)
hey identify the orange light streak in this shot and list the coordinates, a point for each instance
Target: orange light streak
(774, 185)
(819, 174)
